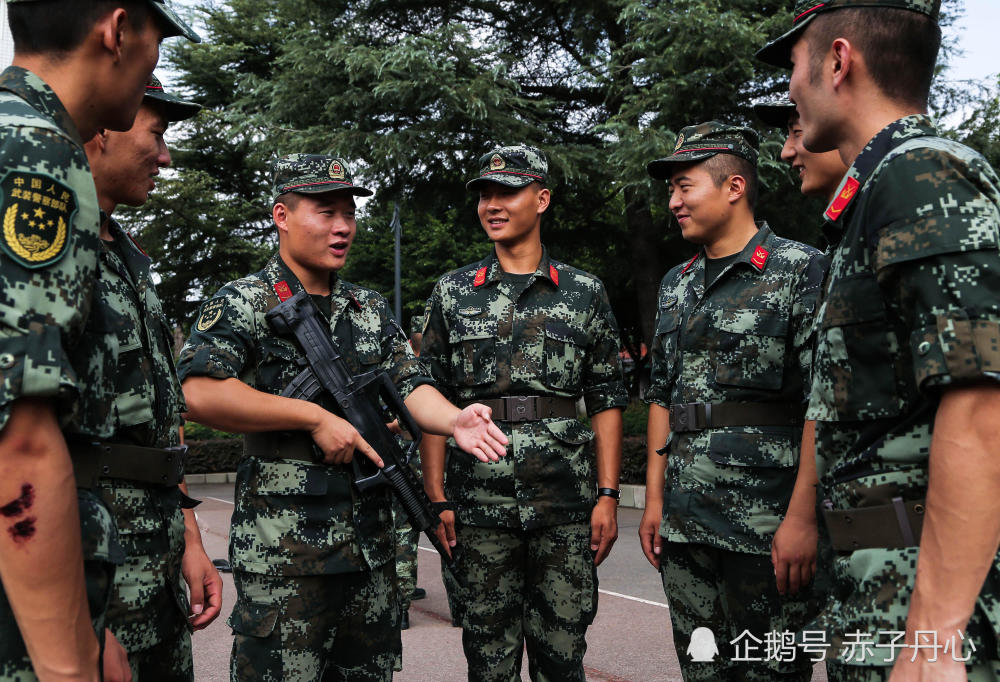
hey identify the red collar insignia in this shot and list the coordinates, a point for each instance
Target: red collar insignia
(554, 275)
(759, 258)
(354, 300)
(136, 242)
(283, 291)
(690, 263)
(480, 278)
(843, 199)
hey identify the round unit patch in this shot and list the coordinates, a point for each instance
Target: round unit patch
(211, 313)
(37, 218)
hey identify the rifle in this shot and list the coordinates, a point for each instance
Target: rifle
(358, 399)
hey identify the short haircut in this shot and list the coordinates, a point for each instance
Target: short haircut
(899, 47)
(723, 166)
(60, 26)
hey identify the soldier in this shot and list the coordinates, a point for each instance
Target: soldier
(527, 335)
(730, 365)
(78, 67)
(819, 174)
(904, 386)
(797, 542)
(148, 614)
(313, 559)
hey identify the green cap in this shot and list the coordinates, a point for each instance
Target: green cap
(175, 25)
(705, 140)
(778, 51)
(312, 174)
(775, 112)
(175, 108)
(515, 166)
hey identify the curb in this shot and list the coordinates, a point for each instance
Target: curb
(633, 496)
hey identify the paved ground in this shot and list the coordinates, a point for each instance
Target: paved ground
(629, 641)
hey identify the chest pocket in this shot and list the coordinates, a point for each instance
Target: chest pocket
(278, 365)
(751, 350)
(854, 373)
(366, 343)
(564, 352)
(473, 343)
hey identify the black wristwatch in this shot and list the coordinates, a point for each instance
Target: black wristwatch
(439, 507)
(610, 492)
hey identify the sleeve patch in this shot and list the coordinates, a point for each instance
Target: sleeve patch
(211, 313)
(37, 218)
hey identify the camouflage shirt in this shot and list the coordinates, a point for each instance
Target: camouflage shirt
(51, 345)
(910, 307)
(294, 517)
(746, 337)
(147, 411)
(550, 334)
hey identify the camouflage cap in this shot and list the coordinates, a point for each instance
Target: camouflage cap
(776, 112)
(174, 24)
(515, 166)
(778, 51)
(705, 140)
(175, 108)
(312, 174)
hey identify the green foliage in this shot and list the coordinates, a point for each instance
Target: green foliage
(634, 418)
(196, 431)
(413, 92)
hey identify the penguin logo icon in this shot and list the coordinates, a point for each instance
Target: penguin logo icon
(702, 648)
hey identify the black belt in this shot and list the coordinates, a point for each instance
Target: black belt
(296, 445)
(888, 526)
(701, 416)
(526, 408)
(94, 460)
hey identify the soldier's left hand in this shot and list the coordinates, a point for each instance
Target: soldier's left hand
(476, 434)
(603, 528)
(793, 553)
(114, 662)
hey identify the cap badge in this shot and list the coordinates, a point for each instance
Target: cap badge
(497, 163)
(680, 141)
(337, 170)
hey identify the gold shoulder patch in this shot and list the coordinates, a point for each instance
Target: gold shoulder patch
(37, 214)
(211, 313)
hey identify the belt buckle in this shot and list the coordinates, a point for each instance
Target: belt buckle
(178, 454)
(520, 408)
(683, 417)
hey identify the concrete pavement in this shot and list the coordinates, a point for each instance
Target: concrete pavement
(630, 639)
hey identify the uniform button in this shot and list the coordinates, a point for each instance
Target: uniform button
(924, 348)
(7, 361)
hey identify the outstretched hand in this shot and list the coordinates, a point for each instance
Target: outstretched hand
(476, 434)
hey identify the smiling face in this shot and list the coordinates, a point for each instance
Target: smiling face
(124, 172)
(316, 230)
(702, 208)
(511, 215)
(820, 173)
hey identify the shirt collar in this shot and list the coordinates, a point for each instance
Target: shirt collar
(749, 254)
(494, 273)
(887, 139)
(40, 96)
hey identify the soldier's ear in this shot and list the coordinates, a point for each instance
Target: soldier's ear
(111, 29)
(279, 212)
(544, 199)
(737, 188)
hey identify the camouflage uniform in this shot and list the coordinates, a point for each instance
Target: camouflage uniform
(49, 347)
(406, 550)
(312, 557)
(740, 343)
(148, 611)
(524, 522)
(909, 308)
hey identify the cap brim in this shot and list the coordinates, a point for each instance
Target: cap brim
(179, 26)
(662, 168)
(776, 115)
(502, 178)
(778, 52)
(175, 108)
(331, 186)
